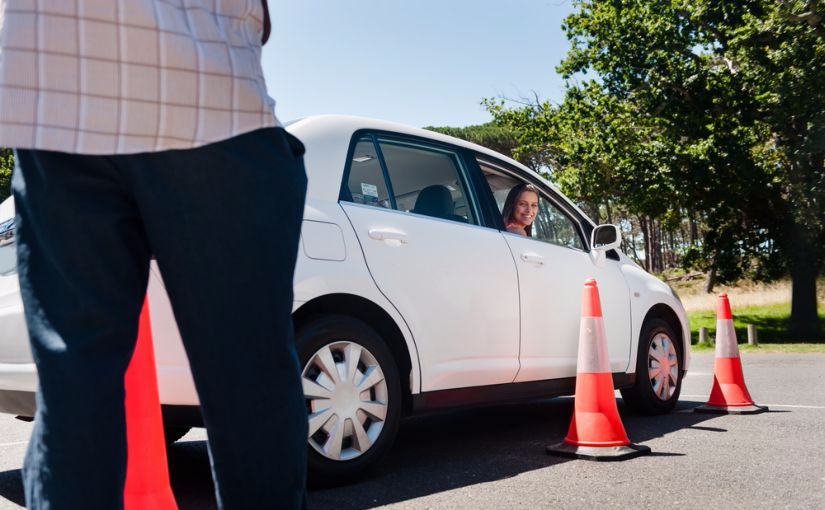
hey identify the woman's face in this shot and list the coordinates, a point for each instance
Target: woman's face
(526, 206)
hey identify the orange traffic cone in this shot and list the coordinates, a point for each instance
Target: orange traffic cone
(596, 430)
(729, 394)
(147, 474)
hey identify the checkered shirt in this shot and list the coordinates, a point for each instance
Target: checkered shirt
(128, 76)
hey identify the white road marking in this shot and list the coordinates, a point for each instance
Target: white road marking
(703, 397)
(698, 373)
(789, 405)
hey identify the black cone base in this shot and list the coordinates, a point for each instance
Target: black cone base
(709, 409)
(598, 453)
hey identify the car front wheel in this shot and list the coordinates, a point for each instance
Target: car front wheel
(658, 370)
(353, 397)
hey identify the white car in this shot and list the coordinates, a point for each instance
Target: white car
(411, 296)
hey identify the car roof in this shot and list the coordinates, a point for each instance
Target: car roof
(352, 123)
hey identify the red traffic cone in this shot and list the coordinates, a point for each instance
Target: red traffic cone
(147, 474)
(729, 394)
(596, 430)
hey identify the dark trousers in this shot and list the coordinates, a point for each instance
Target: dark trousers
(223, 221)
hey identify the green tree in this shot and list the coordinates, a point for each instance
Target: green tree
(712, 109)
(494, 136)
(6, 166)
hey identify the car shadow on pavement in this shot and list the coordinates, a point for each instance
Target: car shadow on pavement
(433, 453)
(455, 449)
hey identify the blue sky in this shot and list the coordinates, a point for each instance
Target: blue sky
(419, 62)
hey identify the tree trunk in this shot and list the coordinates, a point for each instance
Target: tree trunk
(656, 246)
(645, 240)
(694, 232)
(804, 324)
(710, 280)
(592, 210)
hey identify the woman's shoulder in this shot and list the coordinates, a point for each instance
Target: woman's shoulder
(515, 229)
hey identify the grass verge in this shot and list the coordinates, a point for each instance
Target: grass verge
(766, 348)
(771, 323)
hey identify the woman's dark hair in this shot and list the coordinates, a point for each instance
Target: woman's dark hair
(510, 204)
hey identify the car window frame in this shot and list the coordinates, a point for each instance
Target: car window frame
(465, 172)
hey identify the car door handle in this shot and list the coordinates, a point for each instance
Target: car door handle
(388, 235)
(533, 258)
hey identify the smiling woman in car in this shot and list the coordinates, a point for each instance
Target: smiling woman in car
(520, 209)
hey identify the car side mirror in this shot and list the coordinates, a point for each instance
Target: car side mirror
(605, 238)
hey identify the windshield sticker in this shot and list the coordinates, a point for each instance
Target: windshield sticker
(369, 190)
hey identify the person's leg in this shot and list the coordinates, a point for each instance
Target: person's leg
(223, 221)
(83, 263)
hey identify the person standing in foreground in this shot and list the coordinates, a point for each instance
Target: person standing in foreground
(141, 128)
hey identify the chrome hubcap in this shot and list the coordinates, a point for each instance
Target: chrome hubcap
(663, 366)
(346, 397)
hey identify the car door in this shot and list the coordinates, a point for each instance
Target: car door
(553, 264)
(452, 280)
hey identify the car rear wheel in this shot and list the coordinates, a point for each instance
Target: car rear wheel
(353, 397)
(658, 370)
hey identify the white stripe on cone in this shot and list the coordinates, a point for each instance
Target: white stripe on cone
(593, 356)
(726, 346)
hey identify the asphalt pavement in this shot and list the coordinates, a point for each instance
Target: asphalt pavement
(493, 457)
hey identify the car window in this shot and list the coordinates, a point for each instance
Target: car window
(366, 179)
(414, 178)
(555, 227)
(550, 224)
(427, 181)
(8, 253)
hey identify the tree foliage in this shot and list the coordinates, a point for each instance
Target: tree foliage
(710, 111)
(494, 136)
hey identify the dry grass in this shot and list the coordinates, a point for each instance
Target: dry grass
(742, 294)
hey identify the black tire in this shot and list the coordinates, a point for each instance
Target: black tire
(330, 330)
(172, 433)
(641, 397)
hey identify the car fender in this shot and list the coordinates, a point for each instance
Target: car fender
(647, 291)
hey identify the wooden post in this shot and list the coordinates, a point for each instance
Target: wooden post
(752, 338)
(703, 335)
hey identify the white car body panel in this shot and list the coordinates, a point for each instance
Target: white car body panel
(315, 278)
(464, 304)
(13, 322)
(551, 308)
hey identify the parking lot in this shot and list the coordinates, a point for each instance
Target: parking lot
(494, 457)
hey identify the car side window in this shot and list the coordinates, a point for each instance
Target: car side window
(550, 224)
(427, 181)
(555, 227)
(366, 179)
(8, 250)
